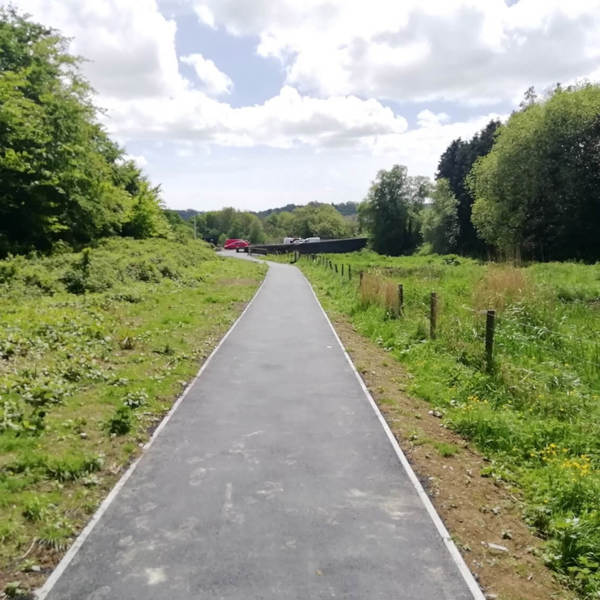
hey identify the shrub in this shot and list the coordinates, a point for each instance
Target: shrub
(120, 422)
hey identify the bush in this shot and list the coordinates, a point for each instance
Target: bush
(120, 422)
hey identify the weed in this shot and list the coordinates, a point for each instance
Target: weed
(135, 399)
(120, 422)
(446, 450)
(35, 509)
(56, 535)
(73, 467)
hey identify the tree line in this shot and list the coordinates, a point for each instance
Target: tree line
(314, 219)
(529, 188)
(64, 181)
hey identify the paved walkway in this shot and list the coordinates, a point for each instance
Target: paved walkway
(273, 480)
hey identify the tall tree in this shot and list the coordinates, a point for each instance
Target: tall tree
(60, 173)
(391, 211)
(538, 190)
(320, 220)
(454, 165)
(439, 220)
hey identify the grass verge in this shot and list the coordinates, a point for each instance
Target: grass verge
(94, 348)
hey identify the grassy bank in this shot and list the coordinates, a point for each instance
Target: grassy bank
(536, 415)
(94, 348)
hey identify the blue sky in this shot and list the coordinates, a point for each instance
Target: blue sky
(259, 103)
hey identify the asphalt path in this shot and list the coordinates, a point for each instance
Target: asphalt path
(273, 479)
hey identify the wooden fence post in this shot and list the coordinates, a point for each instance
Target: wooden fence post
(400, 298)
(361, 277)
(342, 269)
(433, 315)
(349, 271)
(490, 325)
(336, 268)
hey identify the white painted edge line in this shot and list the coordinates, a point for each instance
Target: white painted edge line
(42, 592)
(437, 521)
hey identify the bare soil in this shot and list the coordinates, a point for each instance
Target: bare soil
(477, 510)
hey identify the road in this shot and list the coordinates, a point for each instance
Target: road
(273, 479)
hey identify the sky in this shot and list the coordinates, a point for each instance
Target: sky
(260, 103)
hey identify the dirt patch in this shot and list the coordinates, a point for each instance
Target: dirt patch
(478, 510)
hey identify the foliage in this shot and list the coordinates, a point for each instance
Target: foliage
(391, 211)
(346, 209)
(147, 218)
(536, 191)
(439, 221)
(537, 415)
(229, 223)
(92, 344)
(314, 219)
(320, 220)
(62, 177)
(454, 166)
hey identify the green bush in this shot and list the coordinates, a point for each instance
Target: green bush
(120, 422)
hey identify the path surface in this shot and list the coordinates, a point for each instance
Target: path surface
(273, 480)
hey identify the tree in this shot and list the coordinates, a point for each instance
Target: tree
(231, 223)
(319, 220)
(439, 221)
(537, 192)
(147, 218)
(454, 165)
(61, 174)
(391, 211)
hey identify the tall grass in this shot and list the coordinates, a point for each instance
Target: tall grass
(537, 414)
(376, 289)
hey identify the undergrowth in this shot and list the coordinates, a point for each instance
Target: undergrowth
(536, 416)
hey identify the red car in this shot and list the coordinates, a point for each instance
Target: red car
(236, 244)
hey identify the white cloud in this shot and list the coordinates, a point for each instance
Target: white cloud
(461, 50)
(129, 45)
(420, 148)
(134, 67)
(139, 159)
(427, 118)
(214, 82)
(286, 120)
(205, 15)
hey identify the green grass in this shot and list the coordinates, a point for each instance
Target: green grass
(94, 348)
(537, 414)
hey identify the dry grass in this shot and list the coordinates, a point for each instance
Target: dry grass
(375, 289)
(500, 286)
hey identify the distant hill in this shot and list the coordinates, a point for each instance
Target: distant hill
(263, 214)
(347, 209)
(188, 213)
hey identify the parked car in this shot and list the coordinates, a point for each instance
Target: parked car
(236, 244)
